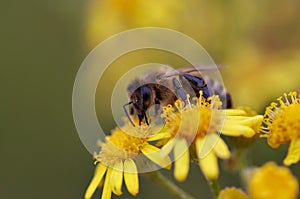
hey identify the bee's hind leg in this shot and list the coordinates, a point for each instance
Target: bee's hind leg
(180, 91)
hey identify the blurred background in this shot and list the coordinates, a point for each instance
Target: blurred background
(44, 42)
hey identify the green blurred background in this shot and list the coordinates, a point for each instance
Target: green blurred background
(44, 42)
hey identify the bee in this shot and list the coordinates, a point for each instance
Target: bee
(163, 86)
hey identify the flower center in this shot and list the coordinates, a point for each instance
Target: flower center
(282, 120)
(192, 120)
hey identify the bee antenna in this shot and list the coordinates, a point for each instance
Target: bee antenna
(126, 112)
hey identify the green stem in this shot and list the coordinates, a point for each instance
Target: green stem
(215, 187)
(241, 157)
(243, 164)
(169, 185)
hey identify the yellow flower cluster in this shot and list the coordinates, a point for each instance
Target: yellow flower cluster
(196, 129)
(192, 133)
(188, 130)
(282, 125)
(117, 159)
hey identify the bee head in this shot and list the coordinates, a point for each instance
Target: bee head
(142, 98)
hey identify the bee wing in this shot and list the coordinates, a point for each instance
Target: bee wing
(189, 70)
(199, 68)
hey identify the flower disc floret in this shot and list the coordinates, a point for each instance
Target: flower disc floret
(282, 125)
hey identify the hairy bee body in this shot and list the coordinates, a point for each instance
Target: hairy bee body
(164, 86)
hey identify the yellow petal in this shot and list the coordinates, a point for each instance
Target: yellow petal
(117, 178)
(205, 145)
(131, 177)
(229, 112)
(221, 149)
(293, 155)
(255, 120)
(245, 120)
(159, 136)
(209, 163)
(167, 148)
(153, 153)
(106, 193)
(199, 144)
(182, 159)
(209, 166)
(99, 172)
(237, 130)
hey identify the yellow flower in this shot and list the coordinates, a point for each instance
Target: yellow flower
(198, 126)
(282, 125)
(272, 181)
(107, 17)
(232, 193)
(120, 157)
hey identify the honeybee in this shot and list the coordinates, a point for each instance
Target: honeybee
(163, 86)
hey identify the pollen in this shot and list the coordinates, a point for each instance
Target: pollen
(282, 125)
(192, 120)
(119, 146)
(192, 124)
(127, 142)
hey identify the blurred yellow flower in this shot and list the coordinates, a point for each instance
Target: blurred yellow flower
(232, 193)
(108, 17)
(272, 181)
(198, 126)
(282, 125)
(117, 159)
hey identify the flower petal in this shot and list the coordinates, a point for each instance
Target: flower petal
(167, 148)
(182, 159)
(117, 178)
(99, 173)
(232, 112)
(206, 144)
(199, 144)
(246, 120)
(106, 193)
(159, 136)
(131, 177)
(237, 130)
(221, 149)
(153, 153)
(293, 155)
(209, 166)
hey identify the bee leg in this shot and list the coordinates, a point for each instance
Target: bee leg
(131, 110)
(142, 117)
(146, 119)
(179, 90)
(198, 84)
(206, 92)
